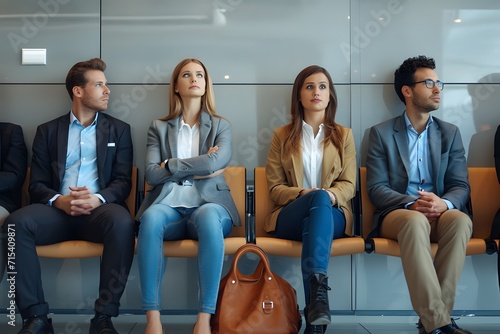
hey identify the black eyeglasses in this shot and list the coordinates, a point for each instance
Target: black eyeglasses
(431, 83)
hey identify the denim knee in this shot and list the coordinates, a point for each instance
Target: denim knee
(208, 220)
(320, 197)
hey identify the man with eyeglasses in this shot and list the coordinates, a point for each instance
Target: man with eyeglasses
(417, 180)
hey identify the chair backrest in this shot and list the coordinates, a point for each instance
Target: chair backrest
(130, 200)
(236, 179)
(485, 196)
(262, 202)
(367, 207)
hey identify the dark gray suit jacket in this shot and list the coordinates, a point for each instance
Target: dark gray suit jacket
(13, 165)
(114, 159)
(162, 144)
(388, 167)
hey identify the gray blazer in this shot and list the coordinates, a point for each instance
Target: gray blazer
(162, 144)
(388, 167)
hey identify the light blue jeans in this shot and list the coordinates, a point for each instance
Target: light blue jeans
(209, 224)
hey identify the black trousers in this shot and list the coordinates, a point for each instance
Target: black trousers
(38, 224)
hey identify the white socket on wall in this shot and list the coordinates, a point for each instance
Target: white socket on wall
(34, 57)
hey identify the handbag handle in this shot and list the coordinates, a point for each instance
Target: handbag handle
(263, 265)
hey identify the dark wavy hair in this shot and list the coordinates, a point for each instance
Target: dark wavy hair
(76, 76)
(404, 75)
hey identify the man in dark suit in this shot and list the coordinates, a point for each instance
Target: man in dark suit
(80, 177)
(13, 164)
(417, 180)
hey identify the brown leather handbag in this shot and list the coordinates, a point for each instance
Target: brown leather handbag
(259, 303)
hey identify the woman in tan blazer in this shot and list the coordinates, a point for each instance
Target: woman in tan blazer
(311, 172)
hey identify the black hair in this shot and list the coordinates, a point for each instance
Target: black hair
(404, 75)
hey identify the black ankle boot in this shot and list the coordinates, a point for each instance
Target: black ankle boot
(318, 309)
(313, 329)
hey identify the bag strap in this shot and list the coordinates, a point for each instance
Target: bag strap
(262, 267)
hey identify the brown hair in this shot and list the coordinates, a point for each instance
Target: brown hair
(293, 130)
(76, 75)
(175, 100)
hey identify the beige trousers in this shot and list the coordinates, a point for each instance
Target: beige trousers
(432, 284)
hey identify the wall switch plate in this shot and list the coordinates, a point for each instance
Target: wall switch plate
(34, 57)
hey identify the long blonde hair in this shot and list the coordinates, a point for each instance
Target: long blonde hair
(175, 100)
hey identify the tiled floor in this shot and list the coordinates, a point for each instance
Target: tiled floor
(135, 324)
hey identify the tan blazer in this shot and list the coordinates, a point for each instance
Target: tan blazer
(285, 175)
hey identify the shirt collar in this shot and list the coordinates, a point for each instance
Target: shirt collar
(409, 126)
(307, 127)
(72, 118)
(182, 124)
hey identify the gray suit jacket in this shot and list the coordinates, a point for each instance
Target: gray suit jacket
(162, 144)
(388, 167)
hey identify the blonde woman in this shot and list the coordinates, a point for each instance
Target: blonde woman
(186, 153)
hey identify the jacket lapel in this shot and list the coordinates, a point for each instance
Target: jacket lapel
(297, 170)
(62, 144)
(435, 150)
(102, 138)
(205, 127)
(172, 130)
(402, 142)
(330, 152)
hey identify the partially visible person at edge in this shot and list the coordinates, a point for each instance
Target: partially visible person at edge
(417, 179)
(186, 154)
(311, 173)
(80, 177)
(496, 221)
(13, 165)
(497, 152)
